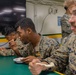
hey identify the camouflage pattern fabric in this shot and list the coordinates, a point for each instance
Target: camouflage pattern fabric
(65, 55)
(43, 49)
(9, 52)
(65, 26)
(67, 71)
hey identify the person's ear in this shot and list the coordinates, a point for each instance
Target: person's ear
(29, 30)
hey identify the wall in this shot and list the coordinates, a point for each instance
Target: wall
(46, 22)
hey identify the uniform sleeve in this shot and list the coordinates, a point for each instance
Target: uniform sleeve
(59, 57)
(22, 48)
(49, 47)
(7, 52)
(24, 51)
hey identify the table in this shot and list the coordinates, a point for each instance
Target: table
(9, 67)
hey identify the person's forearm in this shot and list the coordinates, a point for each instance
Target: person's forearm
(17, 52)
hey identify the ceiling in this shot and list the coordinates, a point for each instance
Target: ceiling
(11, 2)
(46, 2)
(58, 0)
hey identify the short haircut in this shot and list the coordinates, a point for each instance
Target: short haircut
(68, 3)
(25, 23)
(8, 30)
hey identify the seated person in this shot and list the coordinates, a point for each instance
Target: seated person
(65, 25)
(13, 39)
(38, 46)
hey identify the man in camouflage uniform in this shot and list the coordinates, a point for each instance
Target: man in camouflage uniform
(37, 46)
(11, 35)
(66, 54)
(65, 25)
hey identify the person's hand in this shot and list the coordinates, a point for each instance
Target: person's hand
(36, 68)
(2, 48)
(13, 45)
(28, 59)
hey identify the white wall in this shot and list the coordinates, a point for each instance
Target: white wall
(38, 12)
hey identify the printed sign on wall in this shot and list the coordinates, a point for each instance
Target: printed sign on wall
(59, 20)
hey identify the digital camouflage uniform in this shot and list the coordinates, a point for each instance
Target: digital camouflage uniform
(43, 49)
(8, 52)
(65, 55)
(65, 26)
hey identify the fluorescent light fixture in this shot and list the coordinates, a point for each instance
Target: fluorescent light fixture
(1, 13)
(22, 15)
(5, 11)
(19, 8)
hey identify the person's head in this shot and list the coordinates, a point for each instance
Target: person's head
(72, 19)
(9, 33)
(67, 5)
(25, 28)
